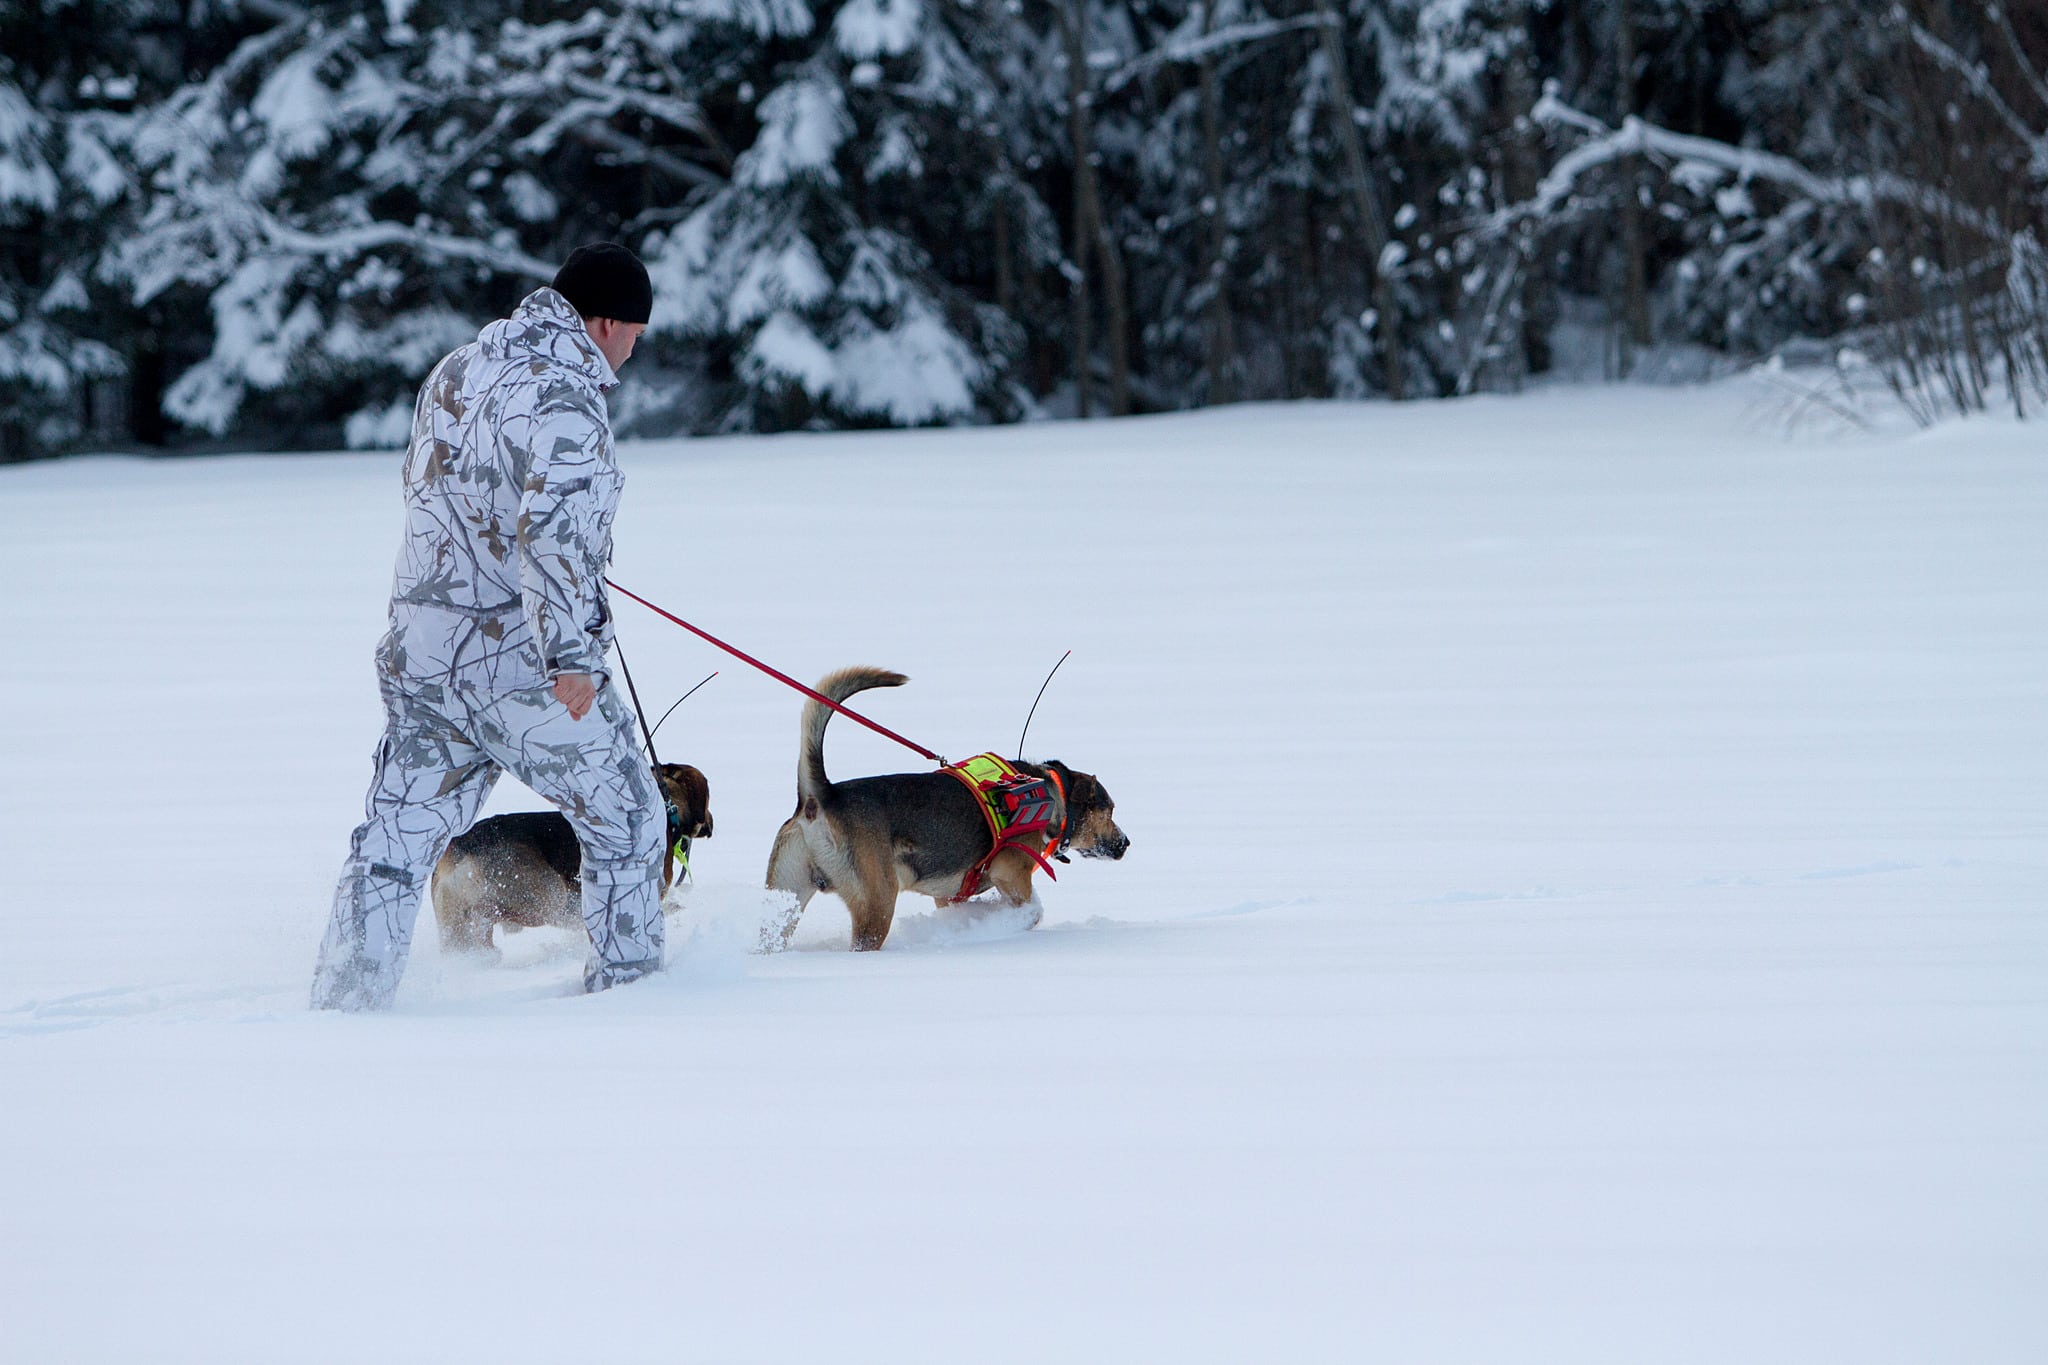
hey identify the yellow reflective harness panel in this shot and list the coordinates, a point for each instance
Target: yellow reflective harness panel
(1020, 809)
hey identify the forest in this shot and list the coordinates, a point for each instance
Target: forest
(235, 224)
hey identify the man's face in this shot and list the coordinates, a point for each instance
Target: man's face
(616, 339)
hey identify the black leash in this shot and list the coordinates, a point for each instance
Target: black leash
(634, 693)
(678, 843)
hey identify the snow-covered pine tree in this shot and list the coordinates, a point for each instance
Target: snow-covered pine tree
(62, 83)
(360, 184)
(809, 279)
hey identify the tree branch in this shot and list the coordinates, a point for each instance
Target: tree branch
(2019, 56)
(354, 241)
(600, 134)
(1638, 138)
(1978, 80)
(586, 121)
(1191, 50)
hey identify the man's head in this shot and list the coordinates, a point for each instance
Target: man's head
(606, 283)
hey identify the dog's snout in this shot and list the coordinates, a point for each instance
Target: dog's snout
(1111, 845)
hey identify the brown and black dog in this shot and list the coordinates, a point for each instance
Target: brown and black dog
(869, 839)
(524, 870)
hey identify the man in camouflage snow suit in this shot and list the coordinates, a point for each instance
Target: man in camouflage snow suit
(495, 659)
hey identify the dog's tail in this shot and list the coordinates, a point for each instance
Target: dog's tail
(810, 763)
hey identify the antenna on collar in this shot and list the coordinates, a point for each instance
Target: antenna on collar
(672, 708)
(1034, 703)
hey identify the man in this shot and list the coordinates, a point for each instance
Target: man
(495, 659)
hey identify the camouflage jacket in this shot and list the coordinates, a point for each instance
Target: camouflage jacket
(510, 488)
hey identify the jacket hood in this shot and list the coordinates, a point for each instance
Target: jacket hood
(547, 327)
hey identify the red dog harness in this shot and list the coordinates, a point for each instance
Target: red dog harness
(1020, 810)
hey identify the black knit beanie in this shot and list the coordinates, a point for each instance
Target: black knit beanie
(605, 280)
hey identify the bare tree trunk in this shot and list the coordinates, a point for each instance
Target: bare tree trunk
(1088, 219)
(1366, 199)
(1077, 134)
(1080, 137)
(1635, 283)
(1118, 320)
(1222, 344)
(1523, 171)
(1005, 286)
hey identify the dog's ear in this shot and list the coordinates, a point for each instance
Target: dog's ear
(697, 788)
(688, 789)
(1083, 791)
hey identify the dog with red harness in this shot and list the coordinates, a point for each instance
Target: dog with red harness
(950, 834)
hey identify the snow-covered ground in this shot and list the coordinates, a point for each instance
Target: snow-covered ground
(1586, 905)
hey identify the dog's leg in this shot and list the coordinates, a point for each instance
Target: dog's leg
(873, 898)
(1010, 874)
(789, 869)
(461, 910)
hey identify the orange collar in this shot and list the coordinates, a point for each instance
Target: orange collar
(1057, 844)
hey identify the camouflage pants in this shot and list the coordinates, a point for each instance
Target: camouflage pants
(440, 756)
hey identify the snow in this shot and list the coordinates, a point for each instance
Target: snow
(89, 163)
(916, 371)
(788, 350)
(898, 153)
(67, 294)
(254, 341)
(378, 428)
(297, 104)
(1584, 906)
(803, 124)
(303, 112)
(789, 275)
(877, 28)
(25, 178)
(531, 201)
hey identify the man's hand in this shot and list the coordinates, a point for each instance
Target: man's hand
(575, 691)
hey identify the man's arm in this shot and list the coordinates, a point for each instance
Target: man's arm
(561, 518)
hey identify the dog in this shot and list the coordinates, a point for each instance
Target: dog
(524, 870)
(869, 839)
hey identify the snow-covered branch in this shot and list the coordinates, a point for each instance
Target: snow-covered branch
(2028, 72)
(1192, 49)
(1638, 138)
(1978, 80)
(348, 243)
(587, 120)
(600, 134)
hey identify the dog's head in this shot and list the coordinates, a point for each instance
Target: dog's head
(1091, 816)
(685, 789)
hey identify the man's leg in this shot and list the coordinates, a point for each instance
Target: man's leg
(593, 770)
(429, 781)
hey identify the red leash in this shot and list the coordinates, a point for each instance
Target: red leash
(779, 676)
